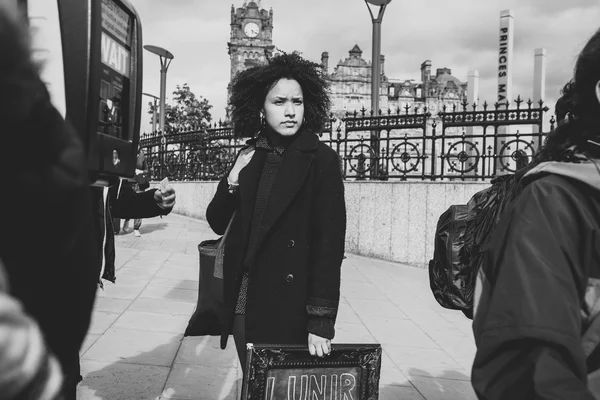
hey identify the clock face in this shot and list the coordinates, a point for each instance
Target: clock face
(251, 29)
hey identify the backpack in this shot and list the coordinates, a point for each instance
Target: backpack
(462, 231)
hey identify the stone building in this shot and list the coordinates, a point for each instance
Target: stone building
(251, 43)
(251, 40)
(351, 86)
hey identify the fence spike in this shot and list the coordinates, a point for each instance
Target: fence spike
(518, 101)
(529, 103)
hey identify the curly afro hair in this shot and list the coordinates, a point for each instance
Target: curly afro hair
(249, 89)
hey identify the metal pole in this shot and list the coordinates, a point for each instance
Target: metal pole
(376, 66)
(375, 83)
(154, 117)
(163, 93)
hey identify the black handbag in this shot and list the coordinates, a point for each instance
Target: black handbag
(209, 314)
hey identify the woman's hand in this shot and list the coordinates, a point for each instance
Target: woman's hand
(242, 160)
(318, 346)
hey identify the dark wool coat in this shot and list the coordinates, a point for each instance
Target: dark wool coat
(294, 279)
(48, 248)
(540, 290)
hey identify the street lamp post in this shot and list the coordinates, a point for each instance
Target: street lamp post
(165, 60)
(376, 75)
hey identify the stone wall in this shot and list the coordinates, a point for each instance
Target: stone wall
(392, 221)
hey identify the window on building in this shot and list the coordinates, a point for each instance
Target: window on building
(392, 91)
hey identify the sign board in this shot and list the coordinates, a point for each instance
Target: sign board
(505, 56)
(349, 372)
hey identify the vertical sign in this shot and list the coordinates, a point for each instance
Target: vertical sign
(505, 62)
(505, 56)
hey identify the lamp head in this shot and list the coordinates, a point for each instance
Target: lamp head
(379, 2)
(159, 51)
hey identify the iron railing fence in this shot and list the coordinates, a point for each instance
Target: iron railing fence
(464, 142)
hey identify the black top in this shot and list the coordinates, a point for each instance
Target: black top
(275, 146)
(265, 185)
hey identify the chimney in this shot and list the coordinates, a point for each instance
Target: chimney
(426, 71)
(425, 77)
(382, 62)
(325, 61)
(442, 71)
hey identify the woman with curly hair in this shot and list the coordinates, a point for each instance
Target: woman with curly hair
(285, 247)
(537, 323)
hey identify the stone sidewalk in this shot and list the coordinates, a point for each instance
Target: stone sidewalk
(135, 347)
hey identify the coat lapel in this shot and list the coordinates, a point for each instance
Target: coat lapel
(249, 177)
(290, 178)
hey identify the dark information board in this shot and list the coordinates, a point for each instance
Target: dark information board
(350, 372)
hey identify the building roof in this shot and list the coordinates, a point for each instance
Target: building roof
(445, 79)
(355, 50)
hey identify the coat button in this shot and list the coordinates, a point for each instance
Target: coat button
(291, 243)
(289, 278)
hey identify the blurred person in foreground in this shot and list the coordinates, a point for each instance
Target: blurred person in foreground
(537, 321)
(53, 269)
(48, 247)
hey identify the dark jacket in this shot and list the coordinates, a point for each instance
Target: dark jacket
(48, 244)
(294, 279)
(121, 202)
(539, 289)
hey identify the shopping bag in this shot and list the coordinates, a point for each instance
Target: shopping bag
(209, 314)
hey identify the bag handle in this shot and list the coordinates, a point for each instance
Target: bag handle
(218, 269)
(222, 241)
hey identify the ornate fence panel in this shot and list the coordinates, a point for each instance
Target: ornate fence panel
(384, 146)
(463, 143)
(482, 143)
(189, 156)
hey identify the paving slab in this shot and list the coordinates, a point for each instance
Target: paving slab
(135, 348)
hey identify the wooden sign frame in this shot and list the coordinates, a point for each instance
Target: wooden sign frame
(260, 359)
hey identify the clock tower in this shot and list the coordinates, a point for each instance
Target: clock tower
(251, 36)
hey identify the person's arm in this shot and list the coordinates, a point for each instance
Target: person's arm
(129, 205)
(27, 370)
(328, 228)
(528, 323)
(223, 204)
(221, 207)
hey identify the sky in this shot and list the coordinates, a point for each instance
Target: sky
(461, 35)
